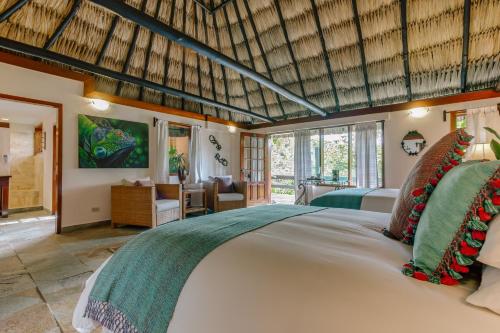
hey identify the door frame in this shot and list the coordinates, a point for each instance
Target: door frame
(267, 165)
(58, 158)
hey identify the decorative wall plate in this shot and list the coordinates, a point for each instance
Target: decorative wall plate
(413, 143)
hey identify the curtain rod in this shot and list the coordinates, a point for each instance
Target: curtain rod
(326, 126)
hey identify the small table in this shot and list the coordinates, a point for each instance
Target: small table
(187, 208)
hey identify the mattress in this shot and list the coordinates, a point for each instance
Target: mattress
(328, 271)
(377, 200)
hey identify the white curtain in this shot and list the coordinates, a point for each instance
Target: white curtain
(161, 169)
(366, 155)
(195, 158)
(476, 121)
(302, 156)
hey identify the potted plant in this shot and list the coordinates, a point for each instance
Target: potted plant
(180, 164)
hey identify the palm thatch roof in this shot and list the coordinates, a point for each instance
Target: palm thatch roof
(337, 54)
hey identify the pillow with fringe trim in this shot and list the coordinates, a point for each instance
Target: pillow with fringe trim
(453, 226)
(421, 181)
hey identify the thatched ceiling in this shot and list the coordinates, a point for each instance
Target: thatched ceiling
(435, 50)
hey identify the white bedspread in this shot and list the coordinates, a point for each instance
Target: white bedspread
(329, 271)
(380, 200)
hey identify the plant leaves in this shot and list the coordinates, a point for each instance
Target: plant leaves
(495, 146)
(492, 131)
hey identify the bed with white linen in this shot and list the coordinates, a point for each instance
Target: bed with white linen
(375, 200)
(327, 271)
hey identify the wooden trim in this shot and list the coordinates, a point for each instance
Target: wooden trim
(89, 90)
(4, 125)
(59, 108)
(458, 98)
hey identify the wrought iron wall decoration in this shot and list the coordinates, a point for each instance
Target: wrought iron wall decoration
(413, 143)
(218, 146)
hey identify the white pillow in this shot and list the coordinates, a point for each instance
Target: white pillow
(490, 252)
(488, 293)
(135, 182)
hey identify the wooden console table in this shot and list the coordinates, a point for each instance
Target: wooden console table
(4, 196)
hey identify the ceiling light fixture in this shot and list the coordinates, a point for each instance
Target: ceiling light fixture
(419, 112)
(99, 104)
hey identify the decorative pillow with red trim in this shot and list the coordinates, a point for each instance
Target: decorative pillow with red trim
(453, 226)
(421, 181)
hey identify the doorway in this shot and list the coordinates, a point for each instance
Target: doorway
(30, 159)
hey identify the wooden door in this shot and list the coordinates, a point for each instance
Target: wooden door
(254, 158)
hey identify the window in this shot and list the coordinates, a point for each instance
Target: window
(458, 120)
(179, 136)
(333, 156)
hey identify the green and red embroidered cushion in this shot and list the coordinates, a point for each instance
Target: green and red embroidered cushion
(421, 181)
(453, 226)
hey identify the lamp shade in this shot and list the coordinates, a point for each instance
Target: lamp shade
(481, 151)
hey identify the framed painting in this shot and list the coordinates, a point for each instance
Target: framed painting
(112, 143)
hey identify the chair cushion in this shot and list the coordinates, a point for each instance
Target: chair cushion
(230, 196)
(166, 204)
(225, 183)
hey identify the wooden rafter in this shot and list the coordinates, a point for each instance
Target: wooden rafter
(167, 54)
(362, 51)
(404, 38)
(250, 55)
(326, 58)
(261, 49)
(210, 69)
(65, 22)
(12, 9)
(222, 68)
(130, 51)
(465, 46)
(148, 51)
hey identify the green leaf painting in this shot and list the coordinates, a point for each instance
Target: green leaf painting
(112, 143)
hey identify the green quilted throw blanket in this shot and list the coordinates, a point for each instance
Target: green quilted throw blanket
(138, 289)
(347, 198)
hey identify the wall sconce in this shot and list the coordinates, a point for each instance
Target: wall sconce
(231, 129)
(99, 104)
(419, 112)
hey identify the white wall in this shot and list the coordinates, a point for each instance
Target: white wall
(84, 189)
(4, 151)
(397, 124)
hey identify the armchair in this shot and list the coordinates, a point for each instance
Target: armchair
(219, 202)
(138, 205)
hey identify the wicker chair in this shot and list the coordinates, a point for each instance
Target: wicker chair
(219, 202)
(137, 205)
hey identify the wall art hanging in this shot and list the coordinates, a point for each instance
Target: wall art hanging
(112, 143)
(413, 143)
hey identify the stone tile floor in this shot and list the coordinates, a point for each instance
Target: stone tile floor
(42, 274)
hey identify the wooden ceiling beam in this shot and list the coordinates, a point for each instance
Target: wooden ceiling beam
(183, 71)
(465, 46)
(289, 46)
(109, 36)
(404, 38)
(222, 68)
(198, 70)
(148, 51)
(261, 49)
(249, 52)
(182, 39)
(85, 66)
(130, 51)
(326, 58)
(431, 102)
(235, 54)
(167, 54)
(12, 9)
(362, 51)
(210, 69)
(65, 22)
